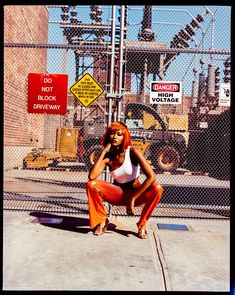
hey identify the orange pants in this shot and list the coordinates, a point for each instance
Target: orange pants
(100, 190)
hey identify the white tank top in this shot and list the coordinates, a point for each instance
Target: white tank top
(127, 171)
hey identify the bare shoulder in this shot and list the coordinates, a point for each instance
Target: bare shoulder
(136, 154)
(137, 157)
(135, 151)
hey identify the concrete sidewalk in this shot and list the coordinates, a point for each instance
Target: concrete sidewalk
(59, 252)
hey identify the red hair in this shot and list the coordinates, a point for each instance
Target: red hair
(114, 126)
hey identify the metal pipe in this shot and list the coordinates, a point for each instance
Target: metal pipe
(161, 74)
(212, 30)
(64, 56)
(143, 82)
(211, 80)
(213, 26)
(121, 61)
(194, 89)
(111, 84)
(107, 176)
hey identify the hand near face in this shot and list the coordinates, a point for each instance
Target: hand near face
(107, 147)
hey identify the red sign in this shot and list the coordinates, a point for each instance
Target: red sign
(165, 87)
(47, 93)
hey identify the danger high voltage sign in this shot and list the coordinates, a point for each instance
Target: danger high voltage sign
(166, 92)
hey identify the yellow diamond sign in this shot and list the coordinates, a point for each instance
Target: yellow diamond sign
(86, 90)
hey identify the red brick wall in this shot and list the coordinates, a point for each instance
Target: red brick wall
(23, 24)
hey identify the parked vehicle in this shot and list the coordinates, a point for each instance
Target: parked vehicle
(165, 149)
(163, 144)
(41, 157)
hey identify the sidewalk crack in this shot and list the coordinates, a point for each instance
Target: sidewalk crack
(161, 258)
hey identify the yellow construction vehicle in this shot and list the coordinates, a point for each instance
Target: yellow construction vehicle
(161, 139)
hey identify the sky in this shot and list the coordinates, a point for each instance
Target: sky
(167, 21)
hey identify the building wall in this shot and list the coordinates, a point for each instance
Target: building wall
(22, 130)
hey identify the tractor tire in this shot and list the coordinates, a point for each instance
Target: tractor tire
(166, 158)
(54, 163)
(25, 164)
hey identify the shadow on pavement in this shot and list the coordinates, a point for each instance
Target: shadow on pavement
(75, 224)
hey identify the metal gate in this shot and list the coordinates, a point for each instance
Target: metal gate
(133, 52)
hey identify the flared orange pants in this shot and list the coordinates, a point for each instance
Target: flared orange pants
(100, 190)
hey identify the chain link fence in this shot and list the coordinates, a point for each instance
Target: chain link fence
(164, 71)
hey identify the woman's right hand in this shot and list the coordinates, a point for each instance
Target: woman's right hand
(107, 148)
(100, 163)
